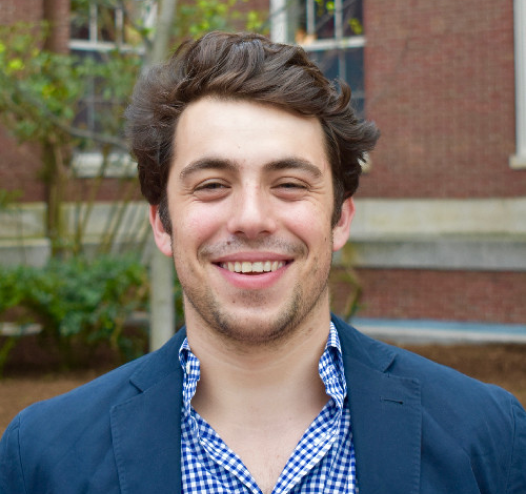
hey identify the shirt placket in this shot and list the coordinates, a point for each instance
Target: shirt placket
(217, 450)
(311, 449)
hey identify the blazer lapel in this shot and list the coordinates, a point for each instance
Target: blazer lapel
(146, 429)
(386, 417)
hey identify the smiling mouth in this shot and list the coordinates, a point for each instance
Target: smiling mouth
(252, 267)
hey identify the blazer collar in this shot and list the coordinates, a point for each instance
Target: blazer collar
(386, 416)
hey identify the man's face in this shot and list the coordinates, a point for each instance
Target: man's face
(250, 200)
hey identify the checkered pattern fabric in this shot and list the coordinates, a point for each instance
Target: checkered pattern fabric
(323, 460)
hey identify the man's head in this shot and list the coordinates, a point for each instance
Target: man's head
(246, 67)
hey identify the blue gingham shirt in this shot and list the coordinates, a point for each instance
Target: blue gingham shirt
(323, 460)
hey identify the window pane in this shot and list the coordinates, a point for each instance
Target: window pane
(96, 111)
(345, 64)
(324, 19)
(352, 18)
(354, 77)
(79, 20)
(106, 24)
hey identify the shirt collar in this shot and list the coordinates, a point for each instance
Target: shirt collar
(330, 368)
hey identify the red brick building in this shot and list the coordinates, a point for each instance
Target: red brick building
(440, 230)
(448, 182)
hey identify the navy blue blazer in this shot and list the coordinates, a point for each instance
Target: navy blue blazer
(418, 427)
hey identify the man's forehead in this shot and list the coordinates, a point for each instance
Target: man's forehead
(217, 132)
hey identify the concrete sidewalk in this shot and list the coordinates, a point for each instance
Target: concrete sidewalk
(443, 332)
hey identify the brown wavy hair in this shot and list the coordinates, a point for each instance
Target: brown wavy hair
(242, 66)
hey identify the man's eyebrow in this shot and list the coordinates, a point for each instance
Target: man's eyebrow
(294, 164)
(207, 164)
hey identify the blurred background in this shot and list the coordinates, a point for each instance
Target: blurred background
(438, 248)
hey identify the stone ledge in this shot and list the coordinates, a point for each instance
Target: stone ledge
(518, 162)
(443, 332)
(473, 253)
(32, 252)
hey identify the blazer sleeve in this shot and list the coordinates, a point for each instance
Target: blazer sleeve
(517, 471)
(11, 476)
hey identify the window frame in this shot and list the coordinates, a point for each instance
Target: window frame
(88, 164)
(280, 29)
(518, 160)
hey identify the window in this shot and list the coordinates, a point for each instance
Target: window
(331, 31)
(97, 30)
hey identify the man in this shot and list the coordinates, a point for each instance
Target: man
(249, 159)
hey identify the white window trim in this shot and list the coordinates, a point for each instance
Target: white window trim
(329, 44)
(518, 161)
(279, 30)
(278, 21)
(89, 165)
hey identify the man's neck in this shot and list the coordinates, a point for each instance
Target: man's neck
(260, 382)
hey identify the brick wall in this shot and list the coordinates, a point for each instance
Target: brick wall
(20, 168)
(12, 11)
(443, 295)
(440, 85)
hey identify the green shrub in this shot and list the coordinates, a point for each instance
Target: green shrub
(79, 302)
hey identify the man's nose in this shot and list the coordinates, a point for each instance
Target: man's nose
(252, 214)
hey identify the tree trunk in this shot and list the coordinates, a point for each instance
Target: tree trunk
(55, 179)
(57, 15)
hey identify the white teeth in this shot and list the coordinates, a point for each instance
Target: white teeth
(246, 267)
(253, 267)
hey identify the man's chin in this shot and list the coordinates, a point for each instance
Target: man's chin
(256, 328)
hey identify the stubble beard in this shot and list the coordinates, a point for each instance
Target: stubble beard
(263, 327)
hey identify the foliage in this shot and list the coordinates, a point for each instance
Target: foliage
(35, 84)
(8, 197)
(79, 302)
(42, 95)
(196, 18)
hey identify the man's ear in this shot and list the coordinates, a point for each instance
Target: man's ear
(162, 238)
(340, 232)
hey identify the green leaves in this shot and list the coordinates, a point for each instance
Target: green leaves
(41, 92)
(79, 301)
(199, 17)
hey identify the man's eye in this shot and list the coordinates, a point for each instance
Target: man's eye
(292, 185)
(211, 191)
(291, 191)
(211, 186)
